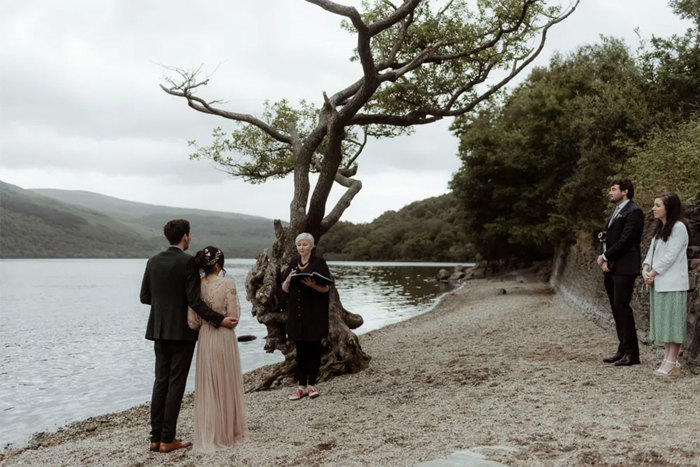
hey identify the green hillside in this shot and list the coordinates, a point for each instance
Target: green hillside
(116, 206)
(77, 224)
(72, 224)
(34, 226)
(427, 230)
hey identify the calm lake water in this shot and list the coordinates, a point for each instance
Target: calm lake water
(72, 332)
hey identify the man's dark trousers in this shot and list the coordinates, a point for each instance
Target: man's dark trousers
(173, 360)
(619, 288)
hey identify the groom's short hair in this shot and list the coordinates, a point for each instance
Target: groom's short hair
(625, 184)
(175, 229)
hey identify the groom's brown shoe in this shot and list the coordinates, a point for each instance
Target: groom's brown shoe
(155, 446)
(175, 445)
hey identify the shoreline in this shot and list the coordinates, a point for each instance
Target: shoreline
(515, 376)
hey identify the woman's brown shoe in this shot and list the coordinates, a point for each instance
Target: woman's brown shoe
(155, 446)
(175, 445)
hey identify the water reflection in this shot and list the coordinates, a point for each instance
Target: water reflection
(385, 294)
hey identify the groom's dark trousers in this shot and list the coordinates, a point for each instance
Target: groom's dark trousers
(170, 284)
(624, 234)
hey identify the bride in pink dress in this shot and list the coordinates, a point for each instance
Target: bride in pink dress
(219, 418)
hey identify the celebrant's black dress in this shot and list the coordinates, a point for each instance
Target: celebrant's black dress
(307, 319)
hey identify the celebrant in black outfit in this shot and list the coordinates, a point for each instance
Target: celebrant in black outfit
(307, 284)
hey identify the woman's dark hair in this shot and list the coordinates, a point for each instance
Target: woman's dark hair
(209, 257)
(672, 203)
(175, 229)
(625, 184)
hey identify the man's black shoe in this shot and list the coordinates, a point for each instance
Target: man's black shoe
(627, 360)
(614, 358)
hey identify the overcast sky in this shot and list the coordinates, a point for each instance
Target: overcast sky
(80, 106)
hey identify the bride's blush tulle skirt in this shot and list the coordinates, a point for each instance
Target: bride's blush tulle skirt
(219, 418)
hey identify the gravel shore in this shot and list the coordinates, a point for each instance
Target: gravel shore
(515, 376)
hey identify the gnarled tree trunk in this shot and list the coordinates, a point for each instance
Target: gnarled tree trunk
(342, 351)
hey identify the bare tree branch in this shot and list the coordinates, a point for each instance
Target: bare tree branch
(417, 61)
(339, 9)
(410, 119)
(353, 187)
(340, 97)
(391, 57)
(239, 171)
(445, 8)
(399, 14)
(189, 82)
(387, 2)
(359, 150)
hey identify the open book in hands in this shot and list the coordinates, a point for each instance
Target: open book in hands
(319, 278)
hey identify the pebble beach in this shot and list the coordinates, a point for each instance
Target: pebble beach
(502, 368)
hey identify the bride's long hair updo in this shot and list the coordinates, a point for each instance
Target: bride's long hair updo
(209, 257)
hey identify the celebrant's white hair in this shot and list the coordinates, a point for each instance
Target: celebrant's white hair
(305, 236)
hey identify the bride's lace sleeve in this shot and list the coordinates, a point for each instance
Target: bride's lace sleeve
(193, 319)
(233, 308)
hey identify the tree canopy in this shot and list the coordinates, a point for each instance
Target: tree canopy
(535, 169)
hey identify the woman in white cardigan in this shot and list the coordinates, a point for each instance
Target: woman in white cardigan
(665, 269)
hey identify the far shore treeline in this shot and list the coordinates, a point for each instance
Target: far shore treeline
(427, 230)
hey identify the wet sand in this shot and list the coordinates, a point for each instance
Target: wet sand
(516, 377)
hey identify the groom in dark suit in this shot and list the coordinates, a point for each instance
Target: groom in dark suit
(171, 284)
(620, 261)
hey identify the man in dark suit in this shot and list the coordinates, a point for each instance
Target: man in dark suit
(171, 284)
(620, 261)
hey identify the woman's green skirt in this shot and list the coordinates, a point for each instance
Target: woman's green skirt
(667, 316)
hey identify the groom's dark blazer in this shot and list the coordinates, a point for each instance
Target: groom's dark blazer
(170, 284)
(622, 241)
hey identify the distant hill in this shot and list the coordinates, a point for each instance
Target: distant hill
(239, 235)
(79, 224)
(132, 209)
(34, 226)
(428, 230)
(46, 223)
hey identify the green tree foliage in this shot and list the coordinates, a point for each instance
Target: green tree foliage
(668, 161)
(535, 169)
(537, 154)
(427, 230)
(668, 158)
(672, 69)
